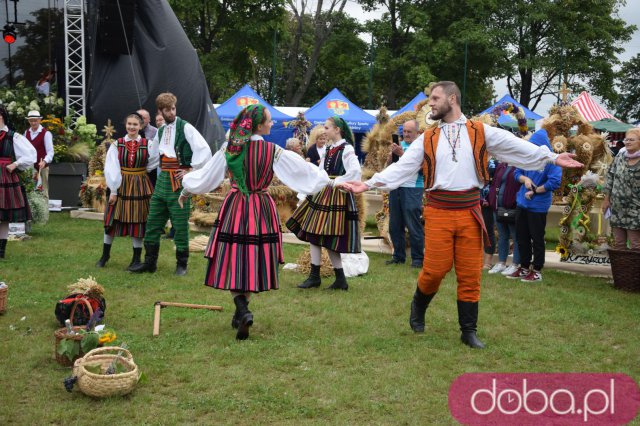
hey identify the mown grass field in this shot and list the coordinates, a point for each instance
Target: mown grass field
(314, 357)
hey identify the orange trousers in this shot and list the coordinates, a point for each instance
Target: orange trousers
(451, 237)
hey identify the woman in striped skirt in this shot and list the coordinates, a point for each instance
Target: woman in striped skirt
(330, 218)
(245, 247)
(16, 153)
(129, 190)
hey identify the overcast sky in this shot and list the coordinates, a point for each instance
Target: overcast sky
(630, 13)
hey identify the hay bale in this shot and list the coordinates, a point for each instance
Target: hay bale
(198, 244)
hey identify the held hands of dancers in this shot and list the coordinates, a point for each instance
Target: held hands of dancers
(353, 186)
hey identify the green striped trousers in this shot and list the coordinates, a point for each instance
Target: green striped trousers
(164, 205)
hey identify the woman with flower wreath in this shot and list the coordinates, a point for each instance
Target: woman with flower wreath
(16, 153)
(129, 190)
(245, 247)
(330, 218)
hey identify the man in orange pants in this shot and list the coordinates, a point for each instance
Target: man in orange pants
(453, 155)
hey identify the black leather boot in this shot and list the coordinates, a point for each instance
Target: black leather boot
(419, 306)
(3, 248)
(182, 257)
(150, 259)
(135, 260)
(314, 278)
(243, 316)
(468, 318)
(106, 254)
(341, 281)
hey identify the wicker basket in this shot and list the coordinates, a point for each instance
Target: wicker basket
(625, 268)
(103, 385)
(4, 294)
(60, 334)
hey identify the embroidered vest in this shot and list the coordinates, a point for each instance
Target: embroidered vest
(138, 159)
(38, 144)
(476, 136)
(182, 147)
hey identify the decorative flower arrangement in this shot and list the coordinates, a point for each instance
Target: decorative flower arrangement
(20, 99)
(72, 141)
(89, 193)
(38, 202)
(518, 112)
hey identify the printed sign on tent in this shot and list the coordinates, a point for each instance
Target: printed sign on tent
(245, 101)
(337, 106)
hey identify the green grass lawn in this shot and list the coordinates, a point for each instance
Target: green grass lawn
(314, 357)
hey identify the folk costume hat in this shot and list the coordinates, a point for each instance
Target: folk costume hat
(240, 131)
(34, 114)
(345, 130)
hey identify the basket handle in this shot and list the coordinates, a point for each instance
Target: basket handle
(75, 305)
(106, 349)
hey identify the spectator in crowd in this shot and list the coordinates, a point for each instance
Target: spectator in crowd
(405, 206)
(488, 217)
(317, 144)
(43, 86)
(621, 193)
(148, 131)
(534, 200)
(159, 120)
(293, 144)
(502, 199)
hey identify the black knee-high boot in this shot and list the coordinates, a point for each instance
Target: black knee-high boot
(313, 280)
(468, 319)
(106, 254)
(244, 317)
(3, 248)
(341, 281)
(182, 258)
(419, 306)
(150, 259)
(135, 260)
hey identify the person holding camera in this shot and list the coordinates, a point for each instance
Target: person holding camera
(534, 200)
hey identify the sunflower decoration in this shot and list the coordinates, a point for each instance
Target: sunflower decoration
(562, 251)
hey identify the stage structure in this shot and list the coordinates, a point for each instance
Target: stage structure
(74, 57)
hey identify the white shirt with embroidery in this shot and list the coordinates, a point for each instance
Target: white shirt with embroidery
(166, 146)
(112, 172)
(461, 175)
(289, 167)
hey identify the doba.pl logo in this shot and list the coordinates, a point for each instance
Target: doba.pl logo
(547, 398)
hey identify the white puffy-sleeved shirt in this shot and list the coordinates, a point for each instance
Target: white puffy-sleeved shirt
(112, 173)
(166, 146)
(26, 154)
(289, 167)
(352, 170)
(461, 175)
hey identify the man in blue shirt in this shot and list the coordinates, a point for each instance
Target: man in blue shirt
(405, 206)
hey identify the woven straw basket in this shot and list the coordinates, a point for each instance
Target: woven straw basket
(4, 293)
(625, 268)
(60, 334)
(102, 385)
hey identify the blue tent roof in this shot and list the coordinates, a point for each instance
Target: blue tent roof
(335, 103)
(411, 105)
(228, 110)
(507, 117)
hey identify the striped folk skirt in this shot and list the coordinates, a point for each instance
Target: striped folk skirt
(128, 216)
(328, 219)
(14, 206)
(245, 247)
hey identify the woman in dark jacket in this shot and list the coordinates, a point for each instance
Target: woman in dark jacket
(502, 196)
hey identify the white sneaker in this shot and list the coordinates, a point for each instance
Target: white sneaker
(510, 269)
(498, 267)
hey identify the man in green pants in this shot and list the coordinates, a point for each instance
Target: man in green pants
(178, 147)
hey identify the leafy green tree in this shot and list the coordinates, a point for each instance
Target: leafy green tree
(629, 82)
(541, 39)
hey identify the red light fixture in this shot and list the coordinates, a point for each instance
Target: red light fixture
(9, 33)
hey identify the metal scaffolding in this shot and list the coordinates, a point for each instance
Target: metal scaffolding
(74, 56)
